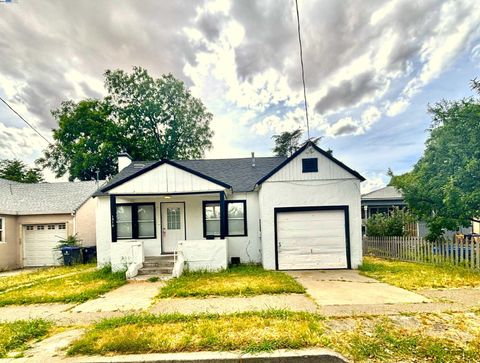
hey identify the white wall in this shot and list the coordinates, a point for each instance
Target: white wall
(327, 169)
(248, 248)
(309, 193)
(166, 179)
(209, 255)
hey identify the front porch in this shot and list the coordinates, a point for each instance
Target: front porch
(149, 232)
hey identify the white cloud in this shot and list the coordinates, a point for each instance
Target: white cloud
(397, 107)
(374, 181)
(370, 116)
(343, 127)
(240, 57)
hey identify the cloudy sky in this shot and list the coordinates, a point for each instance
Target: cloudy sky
(371, 68)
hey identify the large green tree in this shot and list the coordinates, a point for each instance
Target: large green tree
(16, 170)
(146, 117)
(287, 142)
(444, 186)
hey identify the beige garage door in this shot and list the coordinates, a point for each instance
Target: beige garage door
(40, 241)
(311, 240)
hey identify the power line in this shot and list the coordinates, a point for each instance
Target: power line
(303, 70)
(21, 117)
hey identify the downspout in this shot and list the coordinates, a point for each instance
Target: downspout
(74, 221)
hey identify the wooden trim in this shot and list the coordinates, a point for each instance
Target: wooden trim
(113, 217)
(343, 208)
(159, 163)
(315, 147)
(227, 202)
(161, 194)
(134, 211)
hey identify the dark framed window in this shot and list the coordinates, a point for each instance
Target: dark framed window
(309, 165)
(236, 218)
(136, 221)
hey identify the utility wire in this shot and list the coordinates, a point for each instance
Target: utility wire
(29, 124)
(303, 70)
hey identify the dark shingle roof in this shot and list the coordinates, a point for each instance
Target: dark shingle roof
(43, 198)
(238, 173)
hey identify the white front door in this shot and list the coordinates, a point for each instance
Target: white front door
(173, 226)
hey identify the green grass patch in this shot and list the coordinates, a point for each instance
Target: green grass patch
(35, 276)
(249, 332)
(15, 336)
(414, 276)
(74, 288)
(377, 340)
(385, 342)
(243, 280)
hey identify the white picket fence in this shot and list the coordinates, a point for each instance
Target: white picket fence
(462, 251)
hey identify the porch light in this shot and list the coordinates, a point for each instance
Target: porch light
(167, 197)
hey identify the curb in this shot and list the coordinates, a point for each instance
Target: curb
(278, 356)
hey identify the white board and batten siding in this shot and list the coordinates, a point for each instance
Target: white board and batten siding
(327, 170)
(311, 240)
(330, 186)
(166, 179)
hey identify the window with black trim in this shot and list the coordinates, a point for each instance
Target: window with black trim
(309, 165)
(136, 221)
(236, 218)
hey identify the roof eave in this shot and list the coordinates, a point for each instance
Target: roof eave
(102, 191)
(321, 151)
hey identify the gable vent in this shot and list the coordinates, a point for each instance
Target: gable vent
(310, 165)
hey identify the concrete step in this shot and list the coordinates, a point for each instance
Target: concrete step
(162, 264)
(154, 271)
(159, 258)
(140, 278)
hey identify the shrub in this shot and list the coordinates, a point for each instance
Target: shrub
(390, 224)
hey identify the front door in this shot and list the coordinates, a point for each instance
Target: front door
(173, 226)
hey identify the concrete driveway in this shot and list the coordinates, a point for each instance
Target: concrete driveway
(348, 287)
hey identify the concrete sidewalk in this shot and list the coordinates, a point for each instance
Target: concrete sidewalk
(348, 287)
(133, 296)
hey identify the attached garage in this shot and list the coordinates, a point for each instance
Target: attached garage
(312, 238)
(40, 241)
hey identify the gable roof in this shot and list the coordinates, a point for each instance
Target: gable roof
(385, 193)
(44, 198)
(238, 174)
(321, 151)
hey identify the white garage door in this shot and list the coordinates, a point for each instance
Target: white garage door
(40, 242)
(311, 240)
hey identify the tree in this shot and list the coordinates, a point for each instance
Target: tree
(287, 142)
(87, 140)
(16, 170)
(148, 118)
(392, 224)
(443, 189)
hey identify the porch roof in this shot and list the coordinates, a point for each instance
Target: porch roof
(237, 173)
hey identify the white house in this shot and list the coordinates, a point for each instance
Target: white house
(301, 212)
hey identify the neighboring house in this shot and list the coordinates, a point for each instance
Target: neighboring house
(34, 217)
(384, 200)
(301, 212)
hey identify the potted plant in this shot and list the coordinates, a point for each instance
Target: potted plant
(70, 248)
